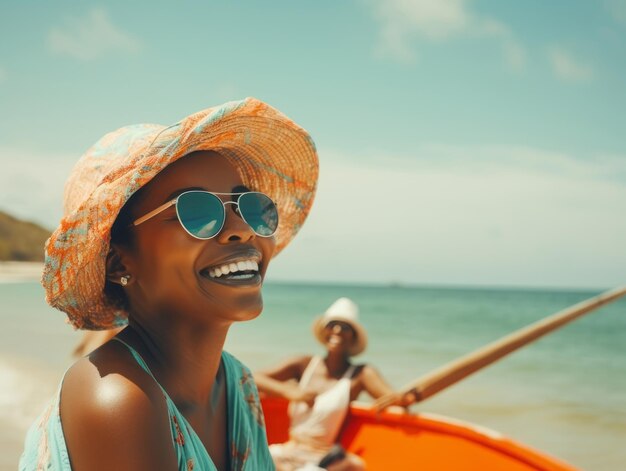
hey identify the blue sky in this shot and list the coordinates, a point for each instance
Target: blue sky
(465, 143)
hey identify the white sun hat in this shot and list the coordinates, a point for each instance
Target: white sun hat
(342, 310)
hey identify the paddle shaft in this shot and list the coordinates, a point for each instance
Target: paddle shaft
(431, 383)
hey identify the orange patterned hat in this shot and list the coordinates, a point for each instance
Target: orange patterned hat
(273, 154)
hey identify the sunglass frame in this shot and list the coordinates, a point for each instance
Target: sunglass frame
(174, 201)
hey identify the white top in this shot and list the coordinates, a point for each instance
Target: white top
(318, 426)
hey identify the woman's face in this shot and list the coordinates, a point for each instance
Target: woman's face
(339, 336)
(173, 273)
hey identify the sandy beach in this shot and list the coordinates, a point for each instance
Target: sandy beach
(15, 272)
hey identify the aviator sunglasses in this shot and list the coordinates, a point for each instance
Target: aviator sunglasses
(202, 213)
(342, 325)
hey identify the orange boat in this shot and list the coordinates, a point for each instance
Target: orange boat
(420, 442)
(432, 442)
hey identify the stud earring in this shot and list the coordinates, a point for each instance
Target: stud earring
(124, 280)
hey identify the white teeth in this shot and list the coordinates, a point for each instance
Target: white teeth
(243, 276)
(232, 268)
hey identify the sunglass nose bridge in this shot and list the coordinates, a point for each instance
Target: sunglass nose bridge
(236, 208)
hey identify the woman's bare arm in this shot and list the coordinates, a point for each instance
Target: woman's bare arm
(282, 380)
(376, 386)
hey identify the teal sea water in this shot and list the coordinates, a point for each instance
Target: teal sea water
(564, 394)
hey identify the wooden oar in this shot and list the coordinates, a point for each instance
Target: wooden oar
(431, 383)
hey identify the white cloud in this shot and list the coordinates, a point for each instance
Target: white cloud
(31, 185)
(517, 159)
(566, 67)
(91, 36)
(458, 215)
(404, 22)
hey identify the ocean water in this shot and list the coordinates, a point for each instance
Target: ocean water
(564, 394)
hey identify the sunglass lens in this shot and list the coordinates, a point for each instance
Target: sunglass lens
(259, 212)
(200, 213)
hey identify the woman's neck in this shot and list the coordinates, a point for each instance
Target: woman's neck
(337, 363)
(184, 359)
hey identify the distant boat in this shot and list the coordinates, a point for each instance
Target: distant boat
(424, 442)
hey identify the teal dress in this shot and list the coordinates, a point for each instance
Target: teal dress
(45, 447)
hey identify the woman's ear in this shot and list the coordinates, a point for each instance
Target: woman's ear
(117, 266)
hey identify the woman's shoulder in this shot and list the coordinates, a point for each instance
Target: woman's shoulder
(109, 404)
(363, 369)
(302, 360)
(110, 374)
(297, 364)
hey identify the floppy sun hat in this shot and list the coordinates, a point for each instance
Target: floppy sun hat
(273, 155)
(342, 310)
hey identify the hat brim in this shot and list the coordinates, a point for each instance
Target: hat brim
(271, 152)
(360, 343)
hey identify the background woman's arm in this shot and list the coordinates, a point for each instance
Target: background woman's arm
(376, 386)
(282, 380)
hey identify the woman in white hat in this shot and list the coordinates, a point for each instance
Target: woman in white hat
(321, 397)
(169, 231)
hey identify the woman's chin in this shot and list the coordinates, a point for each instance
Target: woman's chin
(249, 315)
(335, 348)
(247, 309)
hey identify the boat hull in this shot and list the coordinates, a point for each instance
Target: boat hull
(423, 441)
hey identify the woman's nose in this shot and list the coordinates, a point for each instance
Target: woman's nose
(337, 329)
(235, 228)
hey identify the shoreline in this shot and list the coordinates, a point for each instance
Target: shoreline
(20, 271)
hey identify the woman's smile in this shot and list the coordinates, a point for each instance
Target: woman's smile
(335, 340)
(240, 268)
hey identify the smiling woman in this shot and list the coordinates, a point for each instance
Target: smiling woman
(320, 391)
(170, 231)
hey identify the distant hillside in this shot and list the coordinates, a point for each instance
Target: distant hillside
(20, 240)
